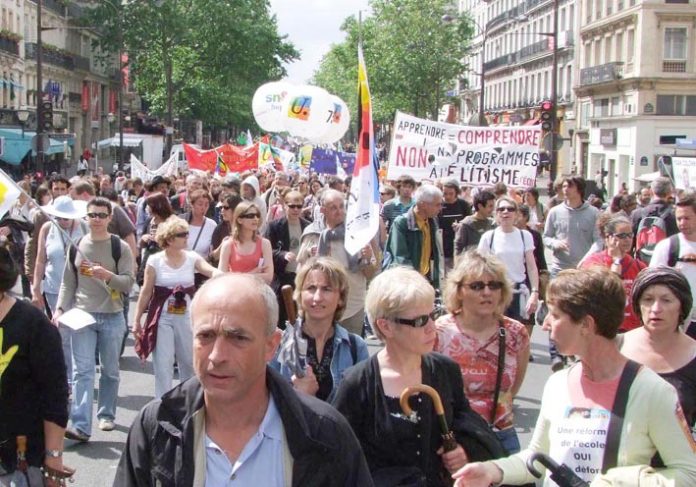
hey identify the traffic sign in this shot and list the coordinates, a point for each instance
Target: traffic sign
(552, 141)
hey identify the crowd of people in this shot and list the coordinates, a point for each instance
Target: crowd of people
(245, 293)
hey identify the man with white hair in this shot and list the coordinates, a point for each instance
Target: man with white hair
(238, 422)
(180, 203)
(414, 238)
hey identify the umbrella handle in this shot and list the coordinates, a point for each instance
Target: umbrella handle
(289, 303)
(448, 441)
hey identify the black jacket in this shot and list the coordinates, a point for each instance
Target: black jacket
(278, 233)
(362, 400)
(160, 451)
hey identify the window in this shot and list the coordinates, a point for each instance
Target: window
(601, 108)
(615, 106)
(676, 105)
(630, 45)
(585, 113)
(619, 47)
(675, 43)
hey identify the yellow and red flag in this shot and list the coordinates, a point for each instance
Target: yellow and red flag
(9, 192)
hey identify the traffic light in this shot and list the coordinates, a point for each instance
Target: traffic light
(547, 116)
(46, 116)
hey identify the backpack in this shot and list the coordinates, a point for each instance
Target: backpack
(673, 250)
(115, 252)
(651, 230)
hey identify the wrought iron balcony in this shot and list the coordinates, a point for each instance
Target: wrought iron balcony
(601, 74)
(56, 6)
(50, 56)
(8, 45)
(506, 60)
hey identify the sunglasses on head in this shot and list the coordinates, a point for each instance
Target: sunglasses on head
(100, 215)
(249, 216)
(419, 321)
(506, 209)
(181, 235)
(480, 285)
(295, 207)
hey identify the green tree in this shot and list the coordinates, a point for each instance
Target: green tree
(201, 59)
(412, 56)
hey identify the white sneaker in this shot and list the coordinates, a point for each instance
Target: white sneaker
(106, 425)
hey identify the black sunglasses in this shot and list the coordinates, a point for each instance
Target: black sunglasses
(480, 285)
(249, 216)
(181, 235)
(419, 321)
(225, 207)
(295, 207)
(508, 209)
(101, 216)
(623, 235)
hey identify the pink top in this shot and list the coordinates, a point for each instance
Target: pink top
(245, 262)
(478, 361)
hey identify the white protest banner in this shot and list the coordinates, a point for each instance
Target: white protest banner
(475, 156)
(140, 170)
(684, 172)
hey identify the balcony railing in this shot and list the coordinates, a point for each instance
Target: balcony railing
(8, 45)
(61, 60)
(503, 18)
(506, 60)
(601, 74)
(530, 4)
(533, 49)
(55, 6)
(674, 66)
(81, 63)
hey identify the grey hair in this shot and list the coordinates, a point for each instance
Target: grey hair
(193, 177)
(611, 225)
(246, 281)
(661, 187)
(427, 193)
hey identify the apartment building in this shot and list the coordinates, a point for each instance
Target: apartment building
(636, 85)
(82, 89)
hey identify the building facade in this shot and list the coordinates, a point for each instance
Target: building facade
(636, 85)
(513, 53)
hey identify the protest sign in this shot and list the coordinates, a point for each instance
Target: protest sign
(475, 156)
(684, 172)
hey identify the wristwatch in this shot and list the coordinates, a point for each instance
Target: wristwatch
(54, 453)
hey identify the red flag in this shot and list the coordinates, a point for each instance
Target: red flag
(237, 159)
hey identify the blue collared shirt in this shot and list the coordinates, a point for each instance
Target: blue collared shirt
(260, 463)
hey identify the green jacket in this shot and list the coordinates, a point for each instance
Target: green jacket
(405, 242)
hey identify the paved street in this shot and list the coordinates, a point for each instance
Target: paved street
(96, 461)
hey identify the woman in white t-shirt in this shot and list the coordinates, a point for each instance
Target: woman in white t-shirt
(201, 228)
(515, 248)
(166, 294)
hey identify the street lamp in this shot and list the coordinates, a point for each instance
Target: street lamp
(482, 122)
(23, 116)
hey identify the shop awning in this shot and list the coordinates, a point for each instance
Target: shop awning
(17, 146)
(115, 142)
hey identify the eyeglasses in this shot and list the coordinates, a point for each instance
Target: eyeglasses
(480, 285)
(623, 235)
(225, 207)
(101, 216)
(295, 207)
(181, 235)
(249, 216)
(506, 209)
(419, 321)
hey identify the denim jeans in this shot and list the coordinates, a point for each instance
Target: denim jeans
(510, 441)
(65, 336)
(105, 337)
(174, 339)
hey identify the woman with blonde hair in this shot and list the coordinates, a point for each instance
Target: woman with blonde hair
(400, 306)
(247, 251)
(166, 295)
(474, 334)
(321, 290)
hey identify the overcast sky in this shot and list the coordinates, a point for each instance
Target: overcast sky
(313, 25)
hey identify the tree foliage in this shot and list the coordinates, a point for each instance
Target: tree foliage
(413, 57)
(218, 51)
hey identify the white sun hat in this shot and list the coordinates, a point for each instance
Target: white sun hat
(66, 207)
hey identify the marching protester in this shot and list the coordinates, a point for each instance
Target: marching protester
(95, 279)
(581, 423)
(399, 305)
(474, 226)
(166, 294)
(321, 294)
(405, 186)
(454, 210)
(204, 431)
(246, 251)
(224, 229)
(159, 210)
(492, 350)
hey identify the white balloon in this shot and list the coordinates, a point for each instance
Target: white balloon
(267, 105)
(307, 112)
(340, 121)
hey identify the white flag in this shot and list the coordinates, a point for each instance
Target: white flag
(9, 192)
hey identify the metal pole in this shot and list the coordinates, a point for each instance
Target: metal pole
(482, 96)
(39, 87)
(554, 97)
(120, 90)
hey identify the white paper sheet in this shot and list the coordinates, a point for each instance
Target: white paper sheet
(76, 319)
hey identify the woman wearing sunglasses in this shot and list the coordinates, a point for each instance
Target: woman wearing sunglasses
(246, 251)
(515, 248)
(399, 305)
(166, 295)
(474, 333)
(615, 257)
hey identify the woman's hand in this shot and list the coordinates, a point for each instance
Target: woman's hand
(532, 303)
(478, 475)
(137, 328)
(37, 299)
(307, 384)
(453, 460)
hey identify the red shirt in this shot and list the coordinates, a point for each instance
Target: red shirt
(630, 268)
